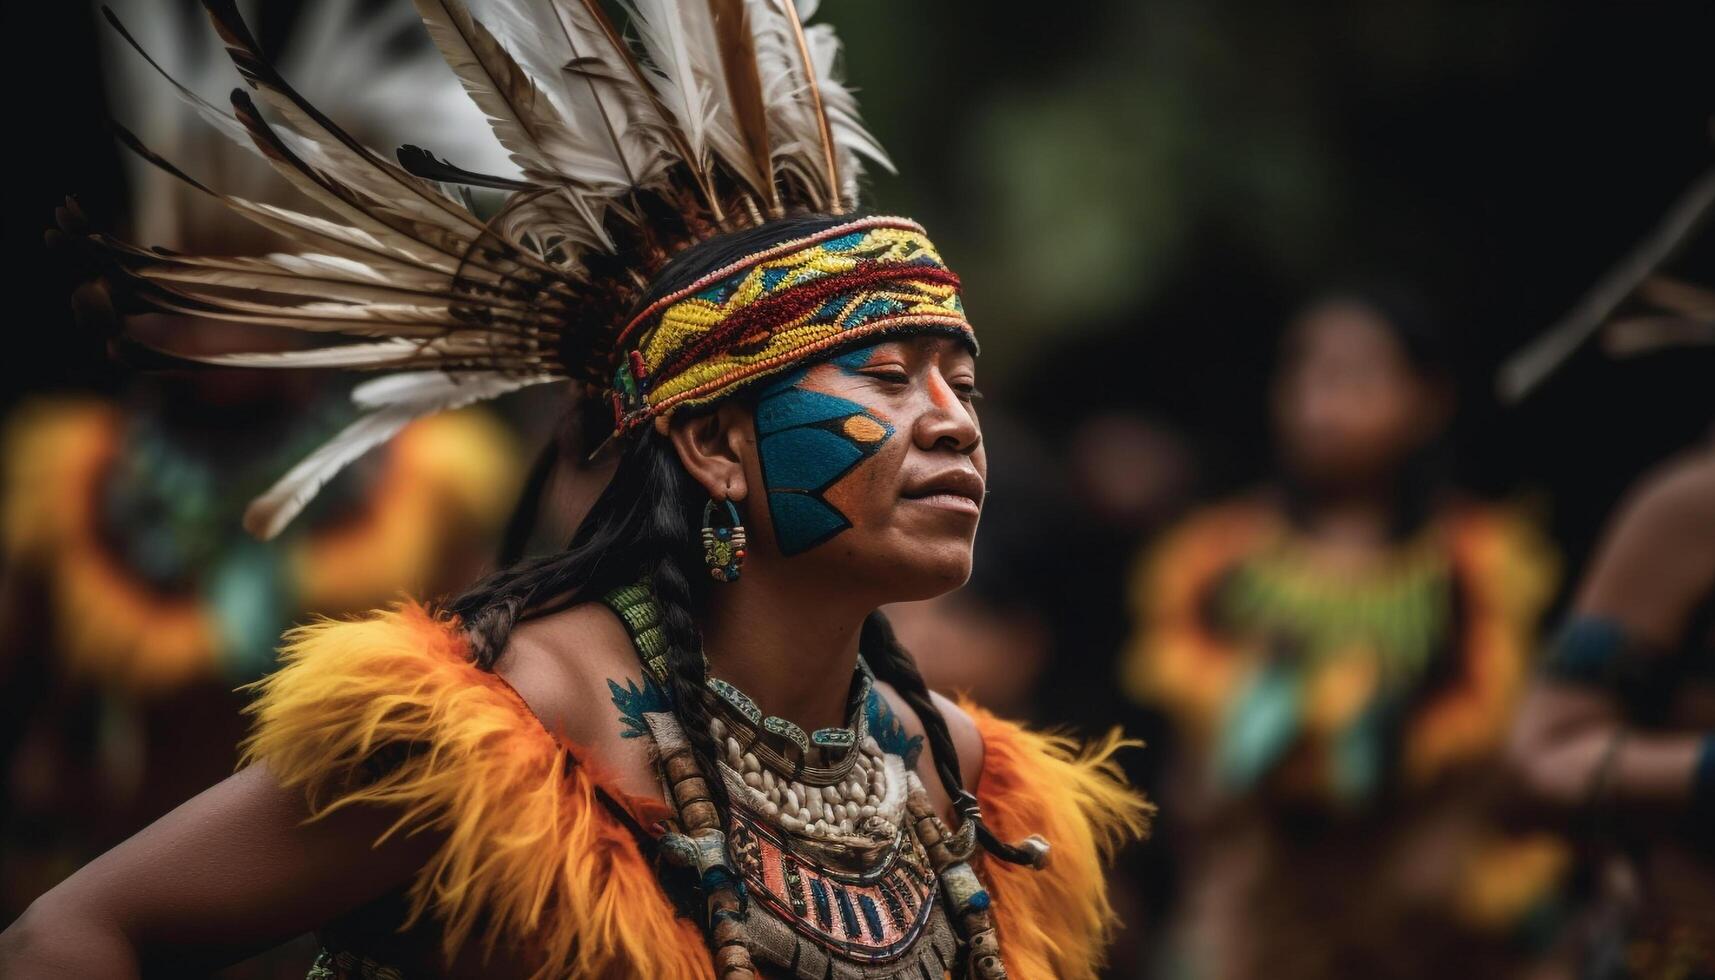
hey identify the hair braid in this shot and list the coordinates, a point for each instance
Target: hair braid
(671, 527)
(891, 662)
(494, 605)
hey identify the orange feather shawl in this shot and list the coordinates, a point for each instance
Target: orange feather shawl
(530, 857)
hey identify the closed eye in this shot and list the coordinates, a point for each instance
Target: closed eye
(893, 376)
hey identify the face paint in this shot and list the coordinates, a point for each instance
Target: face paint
(807, 441)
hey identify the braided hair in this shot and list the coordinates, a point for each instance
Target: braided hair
(645, 523)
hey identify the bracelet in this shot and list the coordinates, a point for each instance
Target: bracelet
(1586, 651)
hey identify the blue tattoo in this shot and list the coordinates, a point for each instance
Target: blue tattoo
(888, 733)
(634, 702)
(807, 442)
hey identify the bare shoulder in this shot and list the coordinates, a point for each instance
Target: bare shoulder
(562, 664)
(967, 739)
(910, 740)
(1657, 558)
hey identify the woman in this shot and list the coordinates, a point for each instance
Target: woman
(1339, 657)
(665, 751)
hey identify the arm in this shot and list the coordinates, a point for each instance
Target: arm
(1656, 564)
(230, 872)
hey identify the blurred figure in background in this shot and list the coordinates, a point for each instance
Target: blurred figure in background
(1618, 736)
(132, 602)
(1339, 656)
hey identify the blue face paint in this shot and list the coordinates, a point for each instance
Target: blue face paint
(807, 441)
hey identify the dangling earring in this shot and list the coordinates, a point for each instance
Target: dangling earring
(723, 547)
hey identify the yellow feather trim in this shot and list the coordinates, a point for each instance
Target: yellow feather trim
(1508, 572)
(448, 484)
(530, 857)
(1054, 924)
(108, 625)
(1174, 660)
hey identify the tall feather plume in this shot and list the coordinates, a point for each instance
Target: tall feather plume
(851, 140)
(817, 110)
(719, 111)
(802, 150)
(682, 73)
(737, 47)
(568, 46)
(525, 120)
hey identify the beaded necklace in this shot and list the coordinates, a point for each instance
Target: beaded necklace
(831, 863)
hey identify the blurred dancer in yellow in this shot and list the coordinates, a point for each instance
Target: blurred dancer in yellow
(132, 603)
(1340, 656)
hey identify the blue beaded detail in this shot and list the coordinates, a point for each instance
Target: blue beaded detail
(871, 916)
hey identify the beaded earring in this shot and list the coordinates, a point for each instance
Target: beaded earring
(723, 547)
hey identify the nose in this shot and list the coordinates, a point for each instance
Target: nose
(948, 421)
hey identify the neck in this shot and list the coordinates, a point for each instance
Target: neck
(791, 651)
(1357, 516)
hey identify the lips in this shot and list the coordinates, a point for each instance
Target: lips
(948, 486)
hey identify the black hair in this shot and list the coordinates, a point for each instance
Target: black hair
(1410, 319)
(645, 523)
(1407, 315)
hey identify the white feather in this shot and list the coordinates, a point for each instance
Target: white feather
(397, 401)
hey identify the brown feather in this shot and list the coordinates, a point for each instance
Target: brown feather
(622, 51)
(744, 91)
(815, 89)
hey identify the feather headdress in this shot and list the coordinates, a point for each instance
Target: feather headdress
(631, 140)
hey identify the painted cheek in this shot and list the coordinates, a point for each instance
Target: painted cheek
(869, 488)
(809, 441)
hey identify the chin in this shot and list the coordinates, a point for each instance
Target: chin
(927, 575)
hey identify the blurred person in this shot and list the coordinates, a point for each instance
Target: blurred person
(1339, 655)
(133, 602)
(1617, 737)
(688, 744)
(1620, 732)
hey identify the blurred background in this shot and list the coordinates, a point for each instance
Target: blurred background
(1244, 274)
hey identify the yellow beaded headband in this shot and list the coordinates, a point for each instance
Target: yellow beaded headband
(765, 313)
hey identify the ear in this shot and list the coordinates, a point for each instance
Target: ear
(712, 446)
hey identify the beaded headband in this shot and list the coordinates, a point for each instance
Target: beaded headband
(767, 312)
